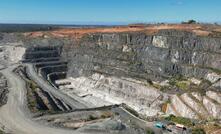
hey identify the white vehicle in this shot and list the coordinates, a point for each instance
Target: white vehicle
(180, 126)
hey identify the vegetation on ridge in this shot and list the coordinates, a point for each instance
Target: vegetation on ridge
(180, 120)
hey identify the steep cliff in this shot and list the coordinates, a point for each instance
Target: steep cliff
(145, 71)
(137, 55)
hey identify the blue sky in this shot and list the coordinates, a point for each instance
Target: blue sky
(108, 11)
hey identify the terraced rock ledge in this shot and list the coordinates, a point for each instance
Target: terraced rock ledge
(81, 81)
(134, 68)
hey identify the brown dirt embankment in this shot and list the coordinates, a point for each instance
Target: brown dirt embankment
(76, 33)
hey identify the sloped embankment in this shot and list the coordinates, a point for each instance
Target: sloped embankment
(38, 99)
(195, 105)
(3, 90)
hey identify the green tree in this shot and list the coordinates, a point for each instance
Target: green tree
(190, 22)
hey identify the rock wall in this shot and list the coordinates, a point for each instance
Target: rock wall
(147, 58)
(195, 105)
(115, 57)
(143, 56)
(3, 90)
(101, 90)
(135, 54)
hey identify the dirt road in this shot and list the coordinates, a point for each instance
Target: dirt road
(15, 115)
(75, 103)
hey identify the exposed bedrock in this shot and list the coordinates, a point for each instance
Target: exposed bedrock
(41, 52)
(99, 90)
(195, 105)
(44, 71)
(3, 90)
(122, 60)
(47, 61)
(159, 55)
(145, 58)
(137, 55)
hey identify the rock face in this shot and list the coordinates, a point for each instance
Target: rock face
(107, 68)
(103, 90)
(137, 55)
(3, 90)
(143, 56)
(196, 106)
(14, 53)
(181, 108)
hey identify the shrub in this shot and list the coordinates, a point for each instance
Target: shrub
(182, 85)
(180, 120)
(190, 22)
(172, 82)
(179, 77)
(91, 117)
(157, 86)
(165, 88)
(198, 131)
(1, 132)
(33, 85)
(149, 131)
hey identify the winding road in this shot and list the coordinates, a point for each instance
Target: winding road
(141, 123)
(75, 103)
(15, 115)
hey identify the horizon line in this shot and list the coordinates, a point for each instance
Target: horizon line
(100, 23)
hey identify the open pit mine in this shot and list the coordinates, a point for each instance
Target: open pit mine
(116, 80)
